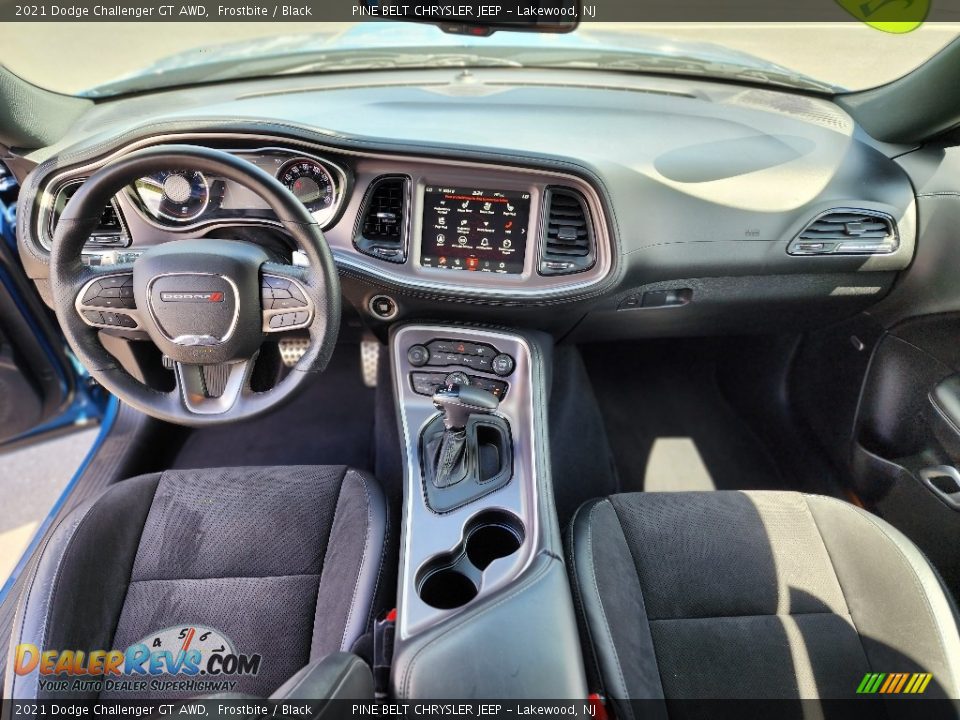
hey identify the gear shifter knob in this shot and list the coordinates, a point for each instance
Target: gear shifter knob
(458, 402)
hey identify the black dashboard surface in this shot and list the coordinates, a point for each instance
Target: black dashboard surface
(696, 187)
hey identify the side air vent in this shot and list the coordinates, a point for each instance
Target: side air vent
(568, 244)
(381, 231)
(110, 231)
(847, 232)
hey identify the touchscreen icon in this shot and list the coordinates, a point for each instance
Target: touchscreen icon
(465, 205)
(441, 239)
(509, 207)
(486, 206)
(462, 240)
(441, 221)
(507, 244)
(507, 226)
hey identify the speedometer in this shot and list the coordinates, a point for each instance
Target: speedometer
(177, 195)
(309, 181)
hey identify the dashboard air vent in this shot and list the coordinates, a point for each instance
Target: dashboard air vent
(110, 231)
(568, 243)
(847, 232)
(381, 232)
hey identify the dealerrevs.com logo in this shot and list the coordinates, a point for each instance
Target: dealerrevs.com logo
(191, 658)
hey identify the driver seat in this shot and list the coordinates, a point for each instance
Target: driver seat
(287, 563)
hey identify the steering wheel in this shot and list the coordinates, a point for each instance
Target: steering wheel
(207, 304)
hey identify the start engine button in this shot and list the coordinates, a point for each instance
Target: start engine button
(383, 307)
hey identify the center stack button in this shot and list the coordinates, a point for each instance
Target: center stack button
(457, 378)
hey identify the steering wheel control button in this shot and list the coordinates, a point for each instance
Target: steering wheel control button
(114, 291)
(297, 294)
(281, 294)
(383, 307)
(288, 320)
(418, 355)
(277, 293)
(503, 364)
(118, 320)
(286, 303)
(92, 292)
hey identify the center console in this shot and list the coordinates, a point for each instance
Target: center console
(484, 604)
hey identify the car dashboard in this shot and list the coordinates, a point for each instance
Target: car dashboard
(638, 205)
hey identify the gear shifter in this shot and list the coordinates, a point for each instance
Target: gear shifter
(456, 403)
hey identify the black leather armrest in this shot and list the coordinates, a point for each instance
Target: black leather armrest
(340, 676)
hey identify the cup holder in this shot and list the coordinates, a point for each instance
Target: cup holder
(452, 579)
(447, 588)
(496, 538)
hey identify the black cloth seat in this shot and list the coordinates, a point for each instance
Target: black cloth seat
(284, 562)
(714, 595)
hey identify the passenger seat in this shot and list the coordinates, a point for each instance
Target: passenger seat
(714, 595)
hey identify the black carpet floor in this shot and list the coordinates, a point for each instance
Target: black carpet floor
(331, 422)
(671, 427)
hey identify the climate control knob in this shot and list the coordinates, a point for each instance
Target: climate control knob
(503, 364)
(418, 355)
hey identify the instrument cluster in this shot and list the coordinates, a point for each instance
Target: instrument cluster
(188, 197)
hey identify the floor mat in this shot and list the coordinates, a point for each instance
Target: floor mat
(329, 423)
(669, 425)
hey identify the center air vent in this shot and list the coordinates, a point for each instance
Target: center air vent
(847, 232)
(567, 242)
(381, 232)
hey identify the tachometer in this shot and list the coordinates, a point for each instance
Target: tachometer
(178, 195)
(310, 181)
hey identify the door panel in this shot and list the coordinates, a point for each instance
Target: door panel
(37, 383)
(906, 454)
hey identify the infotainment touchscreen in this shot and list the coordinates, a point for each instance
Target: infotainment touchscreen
(474, 229)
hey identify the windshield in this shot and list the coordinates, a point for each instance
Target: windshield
(103, 59)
